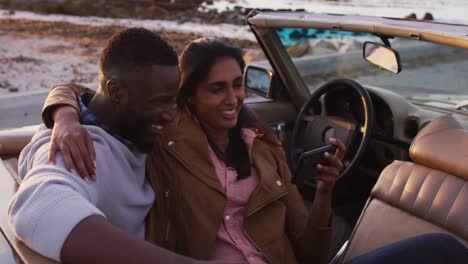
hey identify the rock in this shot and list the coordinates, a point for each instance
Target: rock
(254, 55)
(428, 16)
(323, 47)
(411, 16)
(4, 84)
(299, 49)
(333, 44)
(325, 44)
(350, 46)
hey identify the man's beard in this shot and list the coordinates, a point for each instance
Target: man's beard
(136, 129)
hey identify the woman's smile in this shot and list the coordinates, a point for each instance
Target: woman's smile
(218, 99)
(230, 114)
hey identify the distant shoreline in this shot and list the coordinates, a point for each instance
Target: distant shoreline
(233, 11)
(39, 51)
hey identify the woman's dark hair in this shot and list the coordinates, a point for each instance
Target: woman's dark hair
(195, 62)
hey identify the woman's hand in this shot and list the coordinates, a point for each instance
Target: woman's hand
(74, 143)
(327, 179)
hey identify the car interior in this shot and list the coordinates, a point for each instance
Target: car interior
(405, 175)
(425, 195)
(399, 164)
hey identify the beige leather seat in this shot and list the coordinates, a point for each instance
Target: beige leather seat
(429, 195)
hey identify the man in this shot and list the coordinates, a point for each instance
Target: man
(67, 219)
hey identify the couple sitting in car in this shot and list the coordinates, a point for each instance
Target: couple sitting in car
(215, 184)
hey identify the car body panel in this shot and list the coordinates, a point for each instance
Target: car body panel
(455, 35)
(13, 141)
(21, 109)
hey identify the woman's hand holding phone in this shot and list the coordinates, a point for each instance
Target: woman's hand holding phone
(329, 172)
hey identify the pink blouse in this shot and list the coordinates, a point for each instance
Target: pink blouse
(232, 243)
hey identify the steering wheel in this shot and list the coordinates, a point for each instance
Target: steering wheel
(314, 127)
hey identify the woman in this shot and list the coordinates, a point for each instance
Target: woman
(224, 191)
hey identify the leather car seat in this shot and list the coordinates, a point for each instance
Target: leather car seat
(12, 141)
(428, 195)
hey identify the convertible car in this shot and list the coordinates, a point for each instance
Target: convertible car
(391, 89)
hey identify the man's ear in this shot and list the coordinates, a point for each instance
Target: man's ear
(117, 93)
(190, 100)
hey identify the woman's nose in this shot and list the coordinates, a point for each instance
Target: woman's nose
(231, 96)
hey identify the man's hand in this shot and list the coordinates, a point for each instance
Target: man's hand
(74, 143)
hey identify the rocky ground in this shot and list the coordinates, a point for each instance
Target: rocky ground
(175, 10)
(35, 55)
(91, 37)
(180, 10)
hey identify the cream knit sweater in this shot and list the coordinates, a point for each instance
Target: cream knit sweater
(51, 201)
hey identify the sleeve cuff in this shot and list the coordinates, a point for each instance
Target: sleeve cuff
(53, 228)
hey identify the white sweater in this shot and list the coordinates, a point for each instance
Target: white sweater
(51, 201)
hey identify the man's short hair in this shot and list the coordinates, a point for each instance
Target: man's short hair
(134, 48)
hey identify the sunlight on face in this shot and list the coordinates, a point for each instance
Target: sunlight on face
(219, 97)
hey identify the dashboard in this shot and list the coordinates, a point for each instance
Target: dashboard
(347, 104)
(391, 111)
(397, 121)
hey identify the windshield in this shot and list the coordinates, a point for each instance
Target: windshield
(431, 73)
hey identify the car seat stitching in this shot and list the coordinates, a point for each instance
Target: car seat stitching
(454, 202)
(393, 180)
(420, 189)
(465, 227)
(426, 213)
(405, 184)
(437, 194)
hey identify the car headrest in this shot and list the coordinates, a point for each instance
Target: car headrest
(442, 145)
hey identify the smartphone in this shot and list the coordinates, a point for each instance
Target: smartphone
(306, 169)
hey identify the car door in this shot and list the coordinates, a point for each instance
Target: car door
(11, 249)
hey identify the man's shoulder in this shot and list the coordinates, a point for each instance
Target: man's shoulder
(107, 147)
(40, 144)
(44, 135)
(100, 136)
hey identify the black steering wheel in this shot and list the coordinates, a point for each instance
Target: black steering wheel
(314, 127)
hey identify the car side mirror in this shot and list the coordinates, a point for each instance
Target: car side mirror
(258, 80)
(382, 56)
